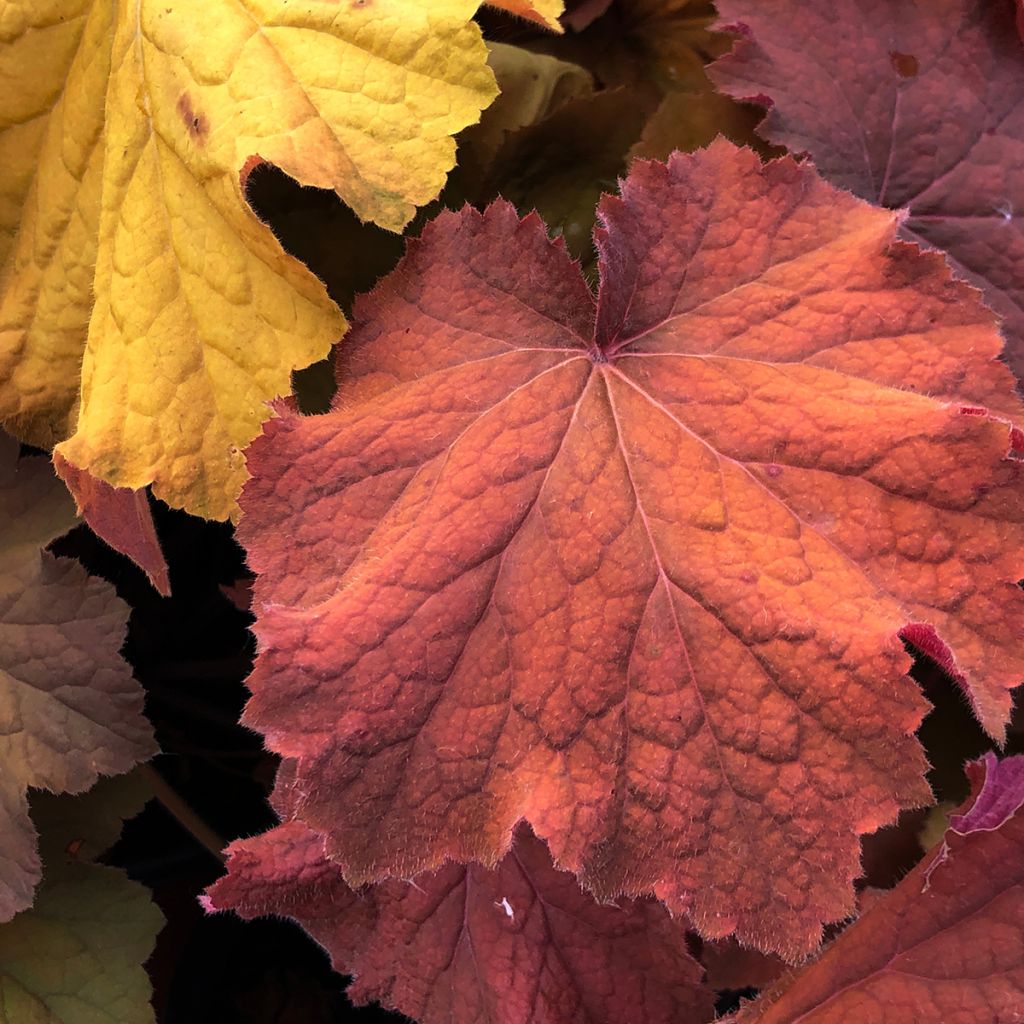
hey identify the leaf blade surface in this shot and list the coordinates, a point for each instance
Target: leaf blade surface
(70, 707)
(145, 310)
(913, 106)
(585, 567)
(945, 944)
(517, 944)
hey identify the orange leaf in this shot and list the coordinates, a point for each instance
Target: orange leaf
(520, 944)
(119, 516)
(636, 573)
(947, 944)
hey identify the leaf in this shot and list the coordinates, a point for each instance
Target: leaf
(666, 42)
(129, 136)
(120, 517)
(562, 165)
(88, 824)
(518, 944)
(548, 143)
(532, 87)
(660, 49)
(636, 574)
(69, 707)
(927, 116)
(692, 120)
(76, 956)
(947, 944)
(544, 12)
(583, 13)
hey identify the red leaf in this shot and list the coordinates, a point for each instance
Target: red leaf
(947, 944)
(520, 944)
(911, 105)
(120, 517)
(636, 575)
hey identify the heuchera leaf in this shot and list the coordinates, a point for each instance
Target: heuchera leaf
(636, 572)
(76, 957)
(560, 166)
(126, 136)
(518, 944)
(544, 12)
(947, 944)
(655, 41)
(69, 707)
(691, 120)
(533, 86)
(120, 517)
(911, 105)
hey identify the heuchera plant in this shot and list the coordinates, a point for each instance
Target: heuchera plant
(586, 576)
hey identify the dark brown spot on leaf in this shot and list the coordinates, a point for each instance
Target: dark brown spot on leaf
(904, 64)
(196, 123)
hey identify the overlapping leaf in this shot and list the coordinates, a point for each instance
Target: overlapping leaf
(910, 104)
(636, 573)
(76, 957)
(560, 166)
(659, 49)
(663, 41)
(69, 707)
(691, 120)
(126, 133)
(544, 12)
(518, 944)
(120, 517)
(947, 944)
(533, 86)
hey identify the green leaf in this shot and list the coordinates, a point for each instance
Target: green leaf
(76, 957)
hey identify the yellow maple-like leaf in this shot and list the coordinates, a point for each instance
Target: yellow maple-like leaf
(144, 309)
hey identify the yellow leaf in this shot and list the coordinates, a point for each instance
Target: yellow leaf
(54, 65)
(126, 134)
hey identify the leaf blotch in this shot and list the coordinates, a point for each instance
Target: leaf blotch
(196, 123)
(905, 65)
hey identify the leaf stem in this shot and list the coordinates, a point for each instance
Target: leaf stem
(176, 806)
